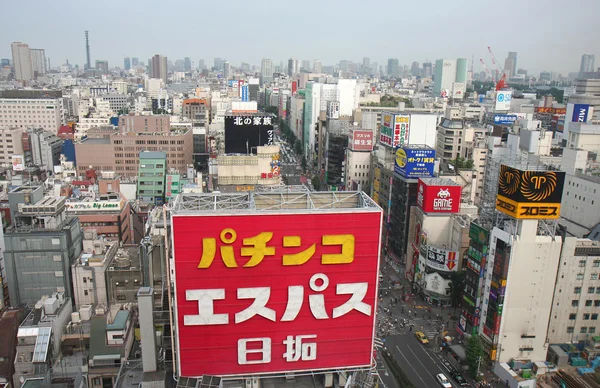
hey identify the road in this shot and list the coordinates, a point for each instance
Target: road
(290, 163)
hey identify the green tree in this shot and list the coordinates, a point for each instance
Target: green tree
(461, 163)
(272, 109)
(457, 285)
(316, 182)
(297, 147)
(303, 163)
(474, 353)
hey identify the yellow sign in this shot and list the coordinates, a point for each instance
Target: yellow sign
(376, 197)
(244, 188)
(377, 172)
(376, 185)
(401, 119)
(401, 158)
(528, 210)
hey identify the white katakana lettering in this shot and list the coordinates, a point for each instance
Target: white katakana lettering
(296, 350)
(206, 315)
(259, 305)
(294, 304)
(243, 351)
(358, 292)
(317, 301)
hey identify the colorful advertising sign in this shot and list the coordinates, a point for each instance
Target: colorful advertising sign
(505, 119)
(442, 259)
(262, 293)
(361, 141)
(554, 111)
(99, 205)
(479, 234)
(401, 130)
(529, 194)
(245, 93)
(435, 197)
(415, 162)
(386, 131)
(503, 99)
(17, 163)
(580, 113)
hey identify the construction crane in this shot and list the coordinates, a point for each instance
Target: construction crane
(501, 84)
(487, 69)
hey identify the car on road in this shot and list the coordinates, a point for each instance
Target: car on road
(458, 377)
(443, 380)
(422, 338)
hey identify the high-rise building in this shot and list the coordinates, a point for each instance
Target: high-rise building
(158, 67)
(366, 64)
(266, 71)
(292, 66)
(218, 64)
(427, 69)
(305, 66)
(226, 70)
(151, 177)
(512, 55)
(201, 65)
(393, 67)
(102, 66)
(317, 67)
(127, 63)
(38, 62)
(187, 64)
(587, 63)
(21, 57)
(135, 62)
(415, 69)
(449, 72)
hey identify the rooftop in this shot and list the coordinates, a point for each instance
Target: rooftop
(120, 321)
(280, 199)
(439, 182)
(153, 155)
(98, 346)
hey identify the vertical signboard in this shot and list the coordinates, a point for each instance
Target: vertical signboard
(401, 130)
(245, 93)
(386, 130)
(17, 163)
(264, 293)
(580, 113)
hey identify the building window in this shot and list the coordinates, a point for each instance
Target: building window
(582, 263)
(85, 280)
(574, 303)
(591, 290)
(596, 263)
(570, 330)
(594, 276)
(588, 303)
(579, 276)
(85, 292)
(586, 317)
(583, 330)
(594, 317)
(572, 317)
(577, 290)
(597, 303)
(592, 330)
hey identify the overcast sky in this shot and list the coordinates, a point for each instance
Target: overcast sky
(547, 34)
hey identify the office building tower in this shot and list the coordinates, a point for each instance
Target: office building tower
(427, 69)
(135, 62)
(158, 68)
(179, 65)
(38, 62)
(305, 66)
(102, 67)
(317, 67)
(218, 64)
(512, 55)
(393, 67)
(226, 70)
(266, 71)
(366, 64)
(127, 63)
(449, 72)
(21, 57)
(415, 69)
(201, 64)
(187, 64)
(88, 63)
(587, 63)
(151, 177)
(293, 67)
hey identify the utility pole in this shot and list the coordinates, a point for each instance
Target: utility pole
(478, 365)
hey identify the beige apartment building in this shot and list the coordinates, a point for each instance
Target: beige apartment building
(24, 113)
(11, 143)
(118, 151)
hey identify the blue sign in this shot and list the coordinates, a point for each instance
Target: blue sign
(414, 163)
(245, 93)
(580, 113)
(505, 119)
(231, 82)
(481, 98)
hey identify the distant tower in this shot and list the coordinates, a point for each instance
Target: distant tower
(87, 51)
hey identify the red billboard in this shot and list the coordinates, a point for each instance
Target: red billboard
(265, 293)
(361, 140)
(554, 111)
(438, 196)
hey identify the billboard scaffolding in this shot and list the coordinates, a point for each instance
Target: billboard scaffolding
(274, 282)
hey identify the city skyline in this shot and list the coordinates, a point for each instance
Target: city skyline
(347, 35)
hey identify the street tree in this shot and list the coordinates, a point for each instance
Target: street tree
(474, 353)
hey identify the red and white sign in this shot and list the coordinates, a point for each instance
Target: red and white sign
(442, 259)
(266, 293)
(436, 198)
(361, 141)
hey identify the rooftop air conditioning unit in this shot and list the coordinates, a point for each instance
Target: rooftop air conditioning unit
(111, 268)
